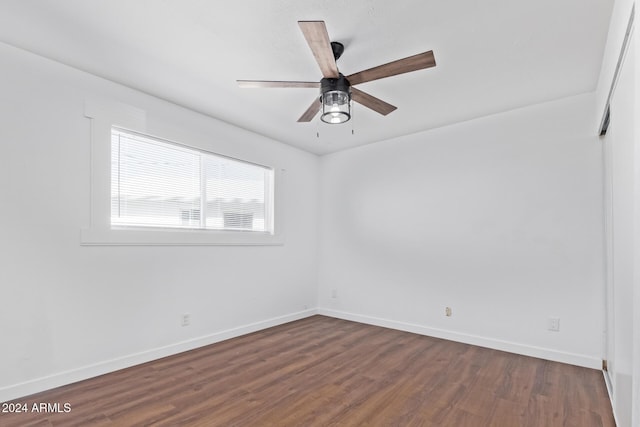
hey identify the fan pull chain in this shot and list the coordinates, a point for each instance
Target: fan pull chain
(352, 115)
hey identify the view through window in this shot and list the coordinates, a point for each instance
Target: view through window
(155, 183)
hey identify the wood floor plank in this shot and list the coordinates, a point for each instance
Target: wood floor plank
(321, 371)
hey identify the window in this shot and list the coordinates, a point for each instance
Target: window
(149, 191)
(155, 183)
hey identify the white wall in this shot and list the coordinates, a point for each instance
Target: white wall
(499, 218)
(69, 311)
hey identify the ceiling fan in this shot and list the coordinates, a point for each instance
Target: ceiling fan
(336, 90)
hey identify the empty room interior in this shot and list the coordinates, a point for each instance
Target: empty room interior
(319, 213)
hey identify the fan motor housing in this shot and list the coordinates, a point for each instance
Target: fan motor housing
(341, 84)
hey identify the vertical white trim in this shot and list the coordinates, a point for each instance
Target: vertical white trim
(635, 369)
(606, 246)
(103, 115)
(609, 288)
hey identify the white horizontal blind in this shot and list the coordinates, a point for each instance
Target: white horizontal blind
(155, 183)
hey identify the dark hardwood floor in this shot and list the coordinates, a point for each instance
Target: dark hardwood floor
(322, 371)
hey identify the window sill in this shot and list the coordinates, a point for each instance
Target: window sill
(123, 237)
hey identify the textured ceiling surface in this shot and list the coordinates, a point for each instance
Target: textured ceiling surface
(492, 56)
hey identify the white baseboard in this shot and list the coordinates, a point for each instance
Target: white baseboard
(58, 379)
(37, 385)
(607, 381)
(508, 346)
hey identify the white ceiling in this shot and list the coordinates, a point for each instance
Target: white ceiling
(492, 56)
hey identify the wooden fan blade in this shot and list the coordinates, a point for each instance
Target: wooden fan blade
(267, 84)
(372, 102)
(315, 32)
(401, 66)
(311, 111)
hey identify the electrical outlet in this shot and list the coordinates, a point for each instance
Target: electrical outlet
(553, 324)
(186, 319)
(447, 311)
(334, 293)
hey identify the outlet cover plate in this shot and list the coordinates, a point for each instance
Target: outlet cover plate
(554, 324)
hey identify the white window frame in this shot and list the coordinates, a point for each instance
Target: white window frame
(104, 116)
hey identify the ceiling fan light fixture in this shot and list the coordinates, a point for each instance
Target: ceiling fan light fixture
(336, 107)
(335, 97)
